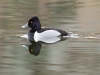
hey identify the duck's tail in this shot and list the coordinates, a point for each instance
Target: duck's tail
(71, 35)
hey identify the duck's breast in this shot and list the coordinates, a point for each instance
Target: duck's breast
(47, 33)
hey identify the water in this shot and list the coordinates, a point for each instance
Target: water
(74, 56)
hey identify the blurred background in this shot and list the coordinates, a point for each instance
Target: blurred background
(74, 56)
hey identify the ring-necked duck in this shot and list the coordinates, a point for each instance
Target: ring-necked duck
(38, 32)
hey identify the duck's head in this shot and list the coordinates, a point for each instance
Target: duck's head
(33, 23)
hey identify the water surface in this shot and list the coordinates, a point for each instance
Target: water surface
(74, 56)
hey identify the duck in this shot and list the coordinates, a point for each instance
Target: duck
(38, 32)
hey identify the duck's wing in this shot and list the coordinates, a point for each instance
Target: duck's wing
(63, 33)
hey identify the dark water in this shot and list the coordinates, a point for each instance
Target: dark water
(74, 56)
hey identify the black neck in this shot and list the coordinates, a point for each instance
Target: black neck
(32, 31)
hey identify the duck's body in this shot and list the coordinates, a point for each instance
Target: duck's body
(47, 32)
(38, 32)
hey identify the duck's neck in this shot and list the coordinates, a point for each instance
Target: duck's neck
(32, 31)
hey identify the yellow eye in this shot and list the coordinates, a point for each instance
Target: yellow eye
(31, 22)
(32, 50)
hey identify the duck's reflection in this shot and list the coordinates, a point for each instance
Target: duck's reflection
(35, 46)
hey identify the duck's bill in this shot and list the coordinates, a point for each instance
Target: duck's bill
(26, 46)
(25, 26)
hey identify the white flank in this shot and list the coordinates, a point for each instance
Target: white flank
(49, 40)
(46, 34)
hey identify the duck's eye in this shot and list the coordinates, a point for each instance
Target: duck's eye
(32, 50)
(31, 22)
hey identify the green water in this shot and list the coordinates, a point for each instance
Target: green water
(74, 56)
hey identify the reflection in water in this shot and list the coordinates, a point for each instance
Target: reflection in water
(35, 46)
